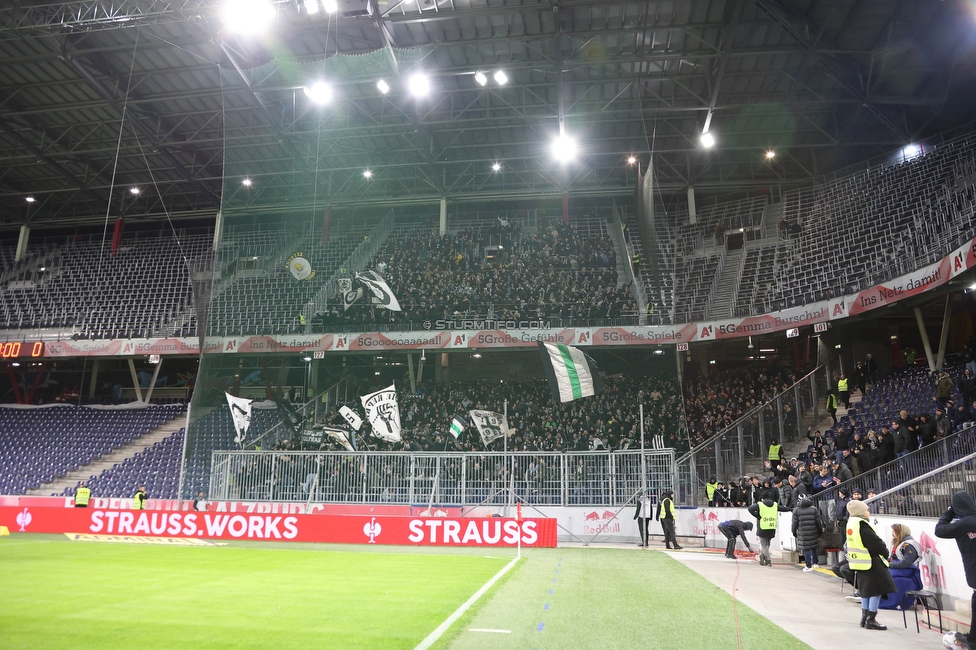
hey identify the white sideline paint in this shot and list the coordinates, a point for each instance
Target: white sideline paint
(484, 629)
(459, 612)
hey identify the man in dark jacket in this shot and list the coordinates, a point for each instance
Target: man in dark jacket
(807, 528)
(943, 426)
(733, 529)
(926, 429)
(959, 523)
(766, 513)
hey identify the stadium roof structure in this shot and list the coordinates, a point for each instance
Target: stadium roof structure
(823, 83)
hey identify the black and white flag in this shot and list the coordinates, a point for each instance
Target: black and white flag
(383, 413)
(339, 435)
(240, 412)
(351, 417)
(490, 425)
(380, 289)
(572, 374)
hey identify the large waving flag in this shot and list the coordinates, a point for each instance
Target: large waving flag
(240, 412)
(490, 425)
(383, 413)
(380, 289)
(572, 374)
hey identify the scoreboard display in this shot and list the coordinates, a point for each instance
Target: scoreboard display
(18, 349)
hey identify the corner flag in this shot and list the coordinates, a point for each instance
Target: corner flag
(572, 374)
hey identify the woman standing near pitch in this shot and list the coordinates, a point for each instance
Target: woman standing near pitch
(867, 556)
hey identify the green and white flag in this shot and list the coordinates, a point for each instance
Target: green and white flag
(457, 426)
(572, 374)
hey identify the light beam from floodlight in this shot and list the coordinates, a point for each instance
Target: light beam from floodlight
(496, 167)
(367, 174)
(30, 199)
(707, 140)
(770, 154)
(311, 7)
(246, 182)
(418, 84)
(382, 86)
(319, 92)
(564, 148)
(248, 17)
(331, 6)
(501, 78)
(134, 190)
(631, 160)
(480, 77)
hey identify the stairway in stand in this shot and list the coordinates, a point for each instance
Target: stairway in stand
(725, 286)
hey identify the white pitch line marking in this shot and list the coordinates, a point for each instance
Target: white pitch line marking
(482, 629)
(459, 612)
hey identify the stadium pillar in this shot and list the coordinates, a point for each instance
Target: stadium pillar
(22, 242)
(443, 225)
(94, 379)
(152, 384)
(740, 435)
(925, 339)
(946, 319)
(135, 380)
(218, 226)
(413, 381)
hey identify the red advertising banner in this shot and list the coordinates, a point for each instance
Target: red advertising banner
(335, 529)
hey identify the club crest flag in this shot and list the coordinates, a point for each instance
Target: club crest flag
(351, 417)
(490, 425)
(240, 412)
(572, 374)
(457, 426)
(379, 288)
(299, 267)
(339, 435)
(383, 413)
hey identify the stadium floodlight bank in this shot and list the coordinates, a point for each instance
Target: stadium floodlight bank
(465, 479)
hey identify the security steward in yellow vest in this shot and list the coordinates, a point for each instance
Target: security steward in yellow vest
(868, 559)
(710, 488)
(82, 496)
(139, 500)
(775, 452)
(766, 513)
(844, 391)
(667, 516)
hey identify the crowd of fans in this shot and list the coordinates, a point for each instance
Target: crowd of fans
(609, 421)
(501, 274)
(714, 402)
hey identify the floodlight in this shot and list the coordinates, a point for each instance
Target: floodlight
(418, 84)
(311, 7)
(564, 148)
(911, 151)
(246, 182)
(367, 174)
(319, 92)
(972, 287)
(631, 160)
(382, 86)
(134, 190)
(770, 154)
(331, 6)
(496, 167)
(501, 78)
(707, 140)
(30, 199)
(476, 356)
(248, 17)
(480, 77)
(658, 351)
(306, 358)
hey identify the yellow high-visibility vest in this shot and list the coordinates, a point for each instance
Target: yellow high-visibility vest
(710, 490)
(137, 503)
(841, 385)
(768, 516)
(858, 556)
(82, 495)
(775, 452)
(667, 506)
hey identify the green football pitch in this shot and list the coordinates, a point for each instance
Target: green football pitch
(57, 593)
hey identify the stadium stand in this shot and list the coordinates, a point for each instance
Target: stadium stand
(157, 468)
(81, 287)
(40, 445)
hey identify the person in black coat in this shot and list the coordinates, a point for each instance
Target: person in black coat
(733, 529)
(959, 523)
(876, 582)
(807, 528)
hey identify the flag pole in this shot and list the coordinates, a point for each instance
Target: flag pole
(508, 499)
(643, 455)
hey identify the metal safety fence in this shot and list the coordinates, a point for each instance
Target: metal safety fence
(930, 494)
(725, 455)
(491, 478)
